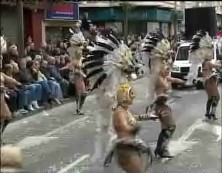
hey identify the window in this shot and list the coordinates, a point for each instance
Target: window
(183, 53)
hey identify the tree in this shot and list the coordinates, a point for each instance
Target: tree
(126, 7)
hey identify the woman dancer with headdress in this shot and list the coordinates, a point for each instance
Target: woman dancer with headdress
(75, 47)
(133, 155)
(108, 64)
(160, 81)
(201, 51)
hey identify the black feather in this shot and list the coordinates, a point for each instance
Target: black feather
(99, 81)
(92, 58)
(93, 64)
(113, 39)
(94, 72)
(98, 53)
(105, 46)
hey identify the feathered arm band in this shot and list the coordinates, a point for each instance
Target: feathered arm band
(144, 117)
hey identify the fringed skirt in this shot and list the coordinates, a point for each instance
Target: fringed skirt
(125, 148)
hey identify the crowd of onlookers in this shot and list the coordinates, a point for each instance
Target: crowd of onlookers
(40, 76)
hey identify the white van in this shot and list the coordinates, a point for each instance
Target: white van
(181, 65)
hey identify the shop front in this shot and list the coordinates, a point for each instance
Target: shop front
(58, 19)
(140, 19)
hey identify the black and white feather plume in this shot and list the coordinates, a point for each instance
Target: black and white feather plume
(200, 49)
(107, 56)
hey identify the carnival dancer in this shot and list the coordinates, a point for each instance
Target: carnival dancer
(133, 155)
(201, 51)
(75, 47)
(159, 83)
(163, 110)
(108, 64)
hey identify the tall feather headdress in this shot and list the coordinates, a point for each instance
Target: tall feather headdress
(155, 56)
(107, 56)
(75, 41)
(200, 49)
(75, 36)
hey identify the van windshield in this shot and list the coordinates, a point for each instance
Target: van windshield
(183, 53)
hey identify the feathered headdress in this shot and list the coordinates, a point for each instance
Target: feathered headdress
(75, 36)
(157, 46)
(75, 41)
(3, 45)
(200, 49)
(107, 55)
(162, 49)
(201, 46)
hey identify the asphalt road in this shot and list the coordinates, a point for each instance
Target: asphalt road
(58, 141)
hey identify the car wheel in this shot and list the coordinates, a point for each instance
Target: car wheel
(199, 85)
(174, 86)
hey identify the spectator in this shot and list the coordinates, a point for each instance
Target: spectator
(23, 96)
(54, 73)
(32, 51)
(62, 61)
(5, 114)
(53, 86)
(25, 77)
(13, 53)
(46, 93)
(11, 94)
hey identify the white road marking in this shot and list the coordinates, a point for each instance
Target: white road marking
(32, 141)
(215, 129)
(181, 144)
(64, 127)
(190, 130)
(75, 163)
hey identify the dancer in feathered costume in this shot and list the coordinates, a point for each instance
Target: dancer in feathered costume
(159, 79)
(155, 56)
(133, 155)
(75, 47)
(201, 52)
(108, 64)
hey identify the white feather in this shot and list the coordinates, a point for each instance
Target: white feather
(3, 45)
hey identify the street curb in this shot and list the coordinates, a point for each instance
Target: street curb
(35, 112)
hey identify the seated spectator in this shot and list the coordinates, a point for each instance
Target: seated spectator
(46, 93)
(54, 73)
(28, 58)
(13, 53)
(62, 61)
(17, 99)
(5, 114)
(35, 89)
(54, 87)
(32, 51)
(38, 58)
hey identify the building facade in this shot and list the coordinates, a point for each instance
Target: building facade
(141, 19)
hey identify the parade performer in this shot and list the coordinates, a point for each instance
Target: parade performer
(108, 64)
(201, 52)
(133, 155)
(75, 47)
(5, 114)
(159, 79)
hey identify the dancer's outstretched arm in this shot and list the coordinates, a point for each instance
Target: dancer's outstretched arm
(176, 80)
